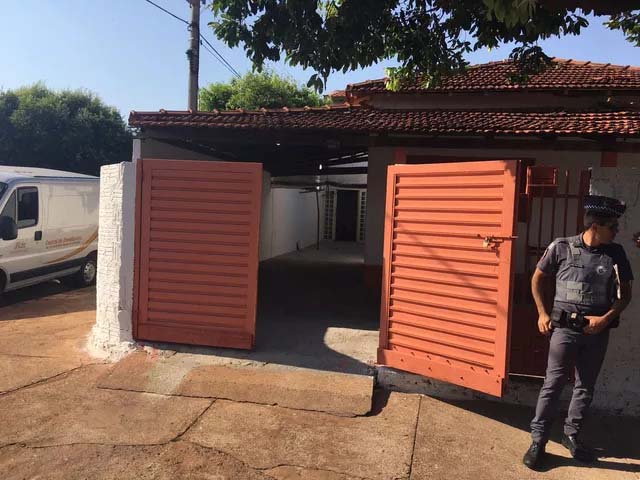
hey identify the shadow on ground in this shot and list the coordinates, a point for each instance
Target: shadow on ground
(45, 299)
(314, 311)
(611, 436)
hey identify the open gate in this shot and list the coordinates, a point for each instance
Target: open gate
(447, 271)
(197, 252)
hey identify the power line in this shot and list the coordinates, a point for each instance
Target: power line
(228, 65)
(213, 55)
(168, 12)
(222, 60)
(217, 55)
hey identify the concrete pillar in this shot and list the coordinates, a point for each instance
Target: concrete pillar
(619, 382)
(379, 160)
(111, 336)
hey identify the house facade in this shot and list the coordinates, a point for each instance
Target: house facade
(466, 184)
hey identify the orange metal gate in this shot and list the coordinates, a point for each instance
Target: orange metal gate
(197, 252)
(447, 271)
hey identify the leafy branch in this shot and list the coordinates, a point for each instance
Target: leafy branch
(430, 39)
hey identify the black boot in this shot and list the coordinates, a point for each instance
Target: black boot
(534, 455)
(578, 451)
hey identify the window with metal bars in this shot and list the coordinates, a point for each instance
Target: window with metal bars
(329, 215)
(362, 215)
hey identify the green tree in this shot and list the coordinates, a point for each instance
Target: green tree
(429, 37)
(257, 90)
(66, 130)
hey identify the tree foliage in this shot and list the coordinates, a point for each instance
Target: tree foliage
(629, 24)
(257, 90)
(67, 130)
(429, 37)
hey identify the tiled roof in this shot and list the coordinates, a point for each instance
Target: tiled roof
(337, 94)
(366, 120)
(495, 76)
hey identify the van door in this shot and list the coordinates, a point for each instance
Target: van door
(20, 258)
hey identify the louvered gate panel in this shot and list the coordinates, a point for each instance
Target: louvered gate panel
(199, 227)
(447, 271)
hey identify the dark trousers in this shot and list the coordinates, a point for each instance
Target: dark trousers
(569, 349)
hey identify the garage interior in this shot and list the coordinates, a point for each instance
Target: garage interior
(314, 310)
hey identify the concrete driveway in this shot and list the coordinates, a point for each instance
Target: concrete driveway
(65, 415)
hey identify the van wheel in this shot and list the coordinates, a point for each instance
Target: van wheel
(86, 275)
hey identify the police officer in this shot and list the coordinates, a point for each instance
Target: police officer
(588, 270)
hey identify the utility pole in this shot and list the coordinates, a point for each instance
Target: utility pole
(194, 54)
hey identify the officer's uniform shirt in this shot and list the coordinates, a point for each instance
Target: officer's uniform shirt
(558, 255)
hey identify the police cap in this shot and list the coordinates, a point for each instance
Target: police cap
(605, 206)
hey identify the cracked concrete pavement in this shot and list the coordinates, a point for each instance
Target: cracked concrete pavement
(56, 422)
(43, 338)
(190, 375)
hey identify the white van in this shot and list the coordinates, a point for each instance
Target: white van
(48, 227)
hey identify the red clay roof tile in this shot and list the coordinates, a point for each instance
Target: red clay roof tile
(495, 76)
(427, 122)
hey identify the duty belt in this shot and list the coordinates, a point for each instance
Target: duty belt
(574, 321)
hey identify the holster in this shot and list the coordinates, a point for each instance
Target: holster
(576, 321)
(572, 320)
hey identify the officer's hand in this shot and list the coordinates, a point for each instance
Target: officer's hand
(596, 325)
(544, 324)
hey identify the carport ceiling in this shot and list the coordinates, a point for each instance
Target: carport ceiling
(282, 156)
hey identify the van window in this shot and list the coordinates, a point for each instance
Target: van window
(9, 209)
(27, 207)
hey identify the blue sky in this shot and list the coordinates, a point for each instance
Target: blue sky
(133, 55)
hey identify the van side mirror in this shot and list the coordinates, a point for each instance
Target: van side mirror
(8, 228)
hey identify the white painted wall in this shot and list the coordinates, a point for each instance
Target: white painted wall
(289, 220)
(619, 382)
(266, 219)
(111, 336)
